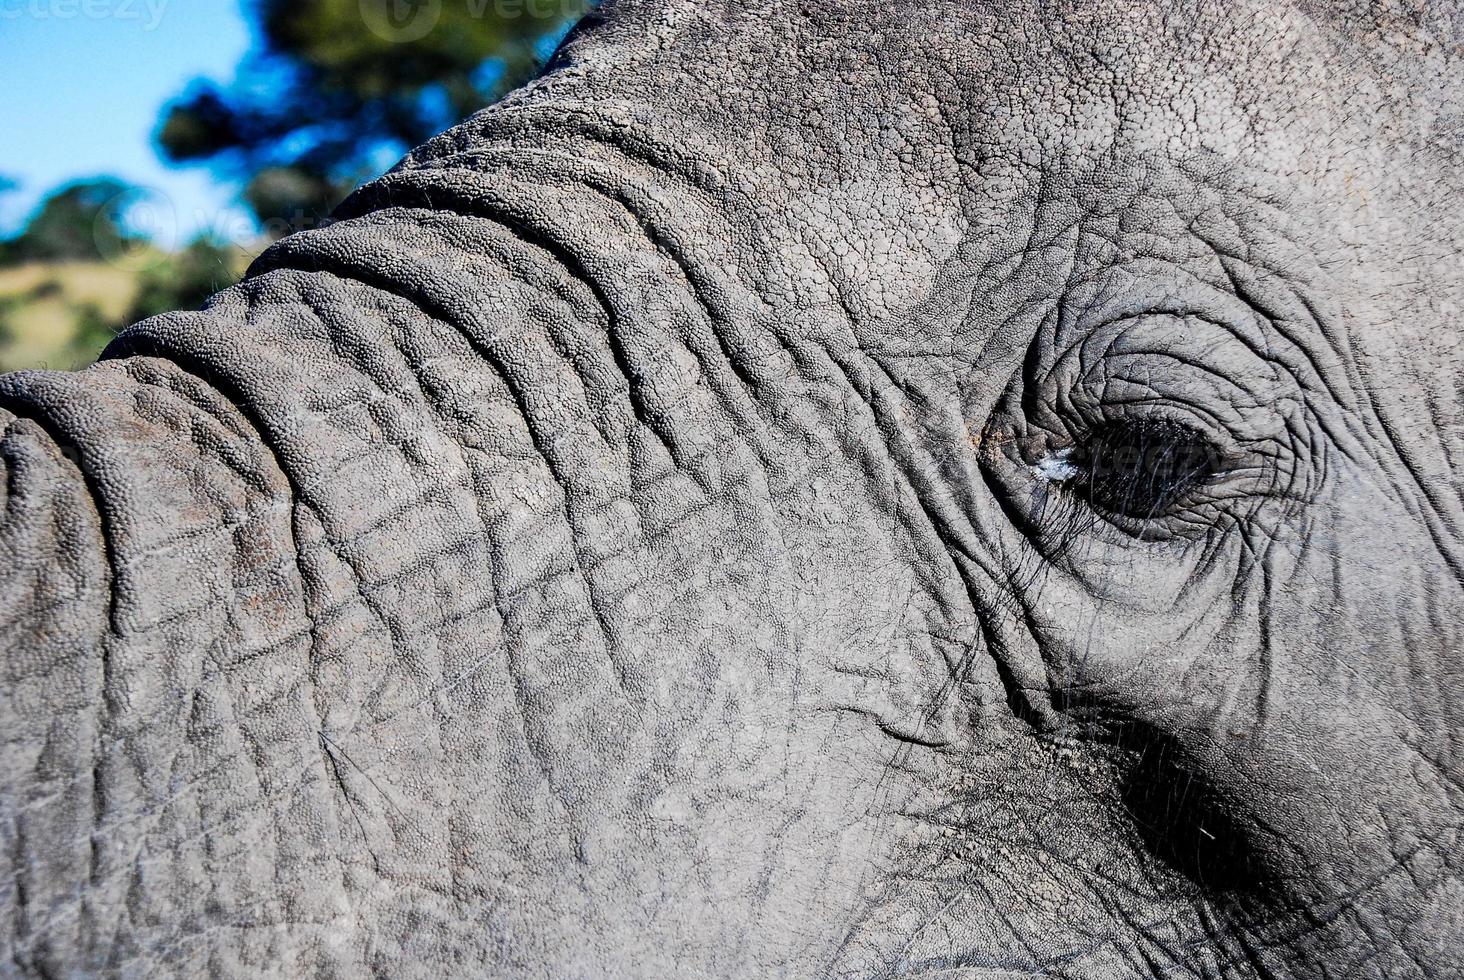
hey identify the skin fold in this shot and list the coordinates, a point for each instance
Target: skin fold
(873, 490)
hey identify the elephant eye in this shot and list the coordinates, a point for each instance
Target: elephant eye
(1141, 468)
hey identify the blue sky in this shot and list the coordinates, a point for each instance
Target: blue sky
(83, 81)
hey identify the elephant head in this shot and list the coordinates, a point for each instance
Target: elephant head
(863, 489)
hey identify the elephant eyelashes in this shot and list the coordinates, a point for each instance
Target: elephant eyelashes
(1140, 469)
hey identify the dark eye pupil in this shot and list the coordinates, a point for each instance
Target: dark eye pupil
(1141, 469)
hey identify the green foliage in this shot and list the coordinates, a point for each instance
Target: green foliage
(336, 89)
(80, 221)
(8, 185)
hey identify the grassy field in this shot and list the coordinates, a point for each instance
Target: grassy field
(54, 314)
(61, 314)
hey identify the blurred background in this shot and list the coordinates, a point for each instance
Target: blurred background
(152, 148)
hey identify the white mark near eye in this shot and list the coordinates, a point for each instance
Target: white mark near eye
(1057, 467)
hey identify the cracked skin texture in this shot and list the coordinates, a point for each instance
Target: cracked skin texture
(619, 546)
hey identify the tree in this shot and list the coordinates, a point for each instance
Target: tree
(83, 220)
(8, 185)
(338, 89)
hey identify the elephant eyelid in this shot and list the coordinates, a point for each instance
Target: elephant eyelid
(1135, 468)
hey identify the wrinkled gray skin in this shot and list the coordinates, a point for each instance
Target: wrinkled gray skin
(642, 537)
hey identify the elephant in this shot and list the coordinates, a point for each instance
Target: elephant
(966, 489)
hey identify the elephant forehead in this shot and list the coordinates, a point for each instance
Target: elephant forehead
(807, 88)
(827, 75)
